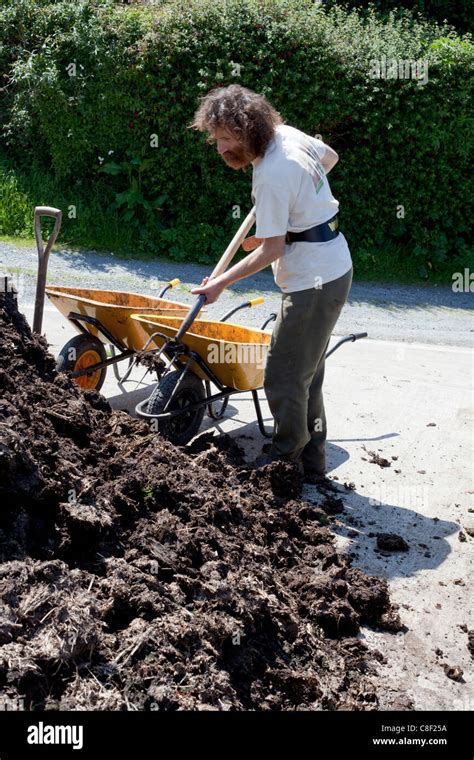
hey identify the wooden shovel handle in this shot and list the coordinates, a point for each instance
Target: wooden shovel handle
(234, 244)
(220, 267)
(56, 214)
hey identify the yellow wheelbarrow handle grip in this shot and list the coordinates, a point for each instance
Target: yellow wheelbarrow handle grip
(256, 301)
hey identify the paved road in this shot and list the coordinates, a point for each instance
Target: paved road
(413, 314)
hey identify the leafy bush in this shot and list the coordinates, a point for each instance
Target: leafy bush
(459, 14)
(94, 87)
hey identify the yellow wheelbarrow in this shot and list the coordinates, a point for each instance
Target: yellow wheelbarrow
(229, 356)
(103, 317)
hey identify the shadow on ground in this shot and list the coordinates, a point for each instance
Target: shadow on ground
(364, 517)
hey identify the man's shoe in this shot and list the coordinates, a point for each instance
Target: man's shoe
(314, 480)
(314, 477)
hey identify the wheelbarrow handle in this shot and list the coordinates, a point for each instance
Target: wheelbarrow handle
(43, 255)
(245, 305)
(348, 338)
(191, 316)
(169, 284)
(220, 267)
(269, 319)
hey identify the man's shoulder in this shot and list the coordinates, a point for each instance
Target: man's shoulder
(290, 133)
(279, 164)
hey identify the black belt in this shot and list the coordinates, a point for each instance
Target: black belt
(321, 233)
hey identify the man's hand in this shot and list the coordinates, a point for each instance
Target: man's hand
(210, 288)
(270, 250)
(251, 243)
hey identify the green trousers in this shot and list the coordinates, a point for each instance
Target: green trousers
(294, 371)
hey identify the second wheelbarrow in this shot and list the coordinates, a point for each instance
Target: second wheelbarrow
(102, 317)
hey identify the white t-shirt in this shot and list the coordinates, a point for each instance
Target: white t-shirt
(291, 192)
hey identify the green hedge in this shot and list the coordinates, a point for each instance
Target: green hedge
(460, 13)
(140, 71)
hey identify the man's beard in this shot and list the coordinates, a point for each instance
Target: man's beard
(237, 159)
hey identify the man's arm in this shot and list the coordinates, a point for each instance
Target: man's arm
(330, 159)
(270, 250)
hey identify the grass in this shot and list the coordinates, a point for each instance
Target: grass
(92, 227)
(404, 271)
(20, 242)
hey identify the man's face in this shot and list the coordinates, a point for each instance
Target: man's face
(231, 149)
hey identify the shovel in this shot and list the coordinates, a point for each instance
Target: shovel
(220, 267)
(43, 256)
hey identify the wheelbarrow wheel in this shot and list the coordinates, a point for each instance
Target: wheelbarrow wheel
(81, 352)
(182, 427)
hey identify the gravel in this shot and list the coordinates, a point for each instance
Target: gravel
(408, 313)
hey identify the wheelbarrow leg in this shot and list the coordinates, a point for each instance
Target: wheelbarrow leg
(115, 365)
(258, 412)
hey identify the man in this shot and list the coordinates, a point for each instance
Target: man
(296, 232)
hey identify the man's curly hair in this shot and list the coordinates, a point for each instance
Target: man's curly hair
(248, 115)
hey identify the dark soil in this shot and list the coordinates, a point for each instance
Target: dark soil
(377, 459)
(454, 672)
(391, 542)
(138, 575)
